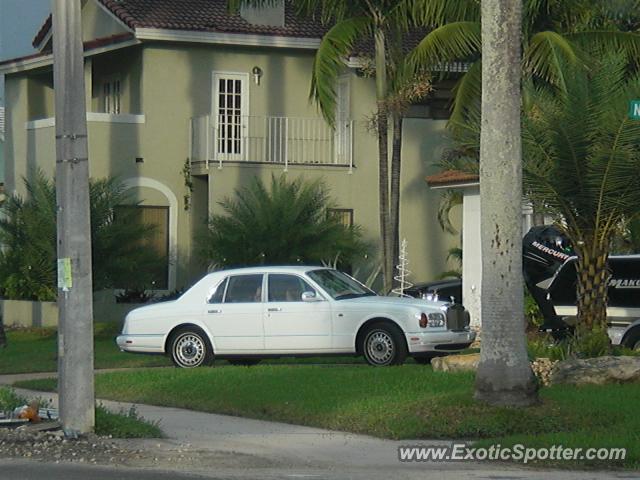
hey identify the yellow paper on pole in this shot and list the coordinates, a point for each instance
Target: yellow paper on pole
(65, 278)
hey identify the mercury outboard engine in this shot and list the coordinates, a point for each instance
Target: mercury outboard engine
(545, 249)
(549, 267)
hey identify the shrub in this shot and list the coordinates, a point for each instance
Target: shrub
(287, 223)
(28, 233)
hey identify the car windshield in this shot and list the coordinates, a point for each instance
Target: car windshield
(339, 285)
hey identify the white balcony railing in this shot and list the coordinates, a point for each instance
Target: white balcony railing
(279, 140)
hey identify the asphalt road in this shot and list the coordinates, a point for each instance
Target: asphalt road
(25, 470)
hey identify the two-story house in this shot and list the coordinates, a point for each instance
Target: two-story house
(171, 83)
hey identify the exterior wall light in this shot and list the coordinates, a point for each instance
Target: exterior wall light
(257, 74)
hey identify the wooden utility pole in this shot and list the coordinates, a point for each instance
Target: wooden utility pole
(75, 330)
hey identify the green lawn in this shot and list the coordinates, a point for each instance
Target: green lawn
(34, 350)
(403, 402)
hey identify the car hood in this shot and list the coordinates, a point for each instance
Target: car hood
(393, 301)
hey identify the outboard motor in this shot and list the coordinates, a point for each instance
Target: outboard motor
(544, 251)
(549, 268)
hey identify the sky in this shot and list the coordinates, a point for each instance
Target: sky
(19, 22)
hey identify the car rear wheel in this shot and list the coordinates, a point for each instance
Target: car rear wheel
(633, 340)
(244, 362)
(190, 348)
(383, 345)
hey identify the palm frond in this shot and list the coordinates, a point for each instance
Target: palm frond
(439, 12)
(467, 94)
(450, 42)
(606, 41)
(286, 222)
(448, 201)
(335, 46)
(548, 55)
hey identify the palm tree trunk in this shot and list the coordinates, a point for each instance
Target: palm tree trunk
(504, 375)
(394, 216)
(592, 283)
(383, 158)
(383, 187)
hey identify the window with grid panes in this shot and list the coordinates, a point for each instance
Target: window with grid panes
(230, 91)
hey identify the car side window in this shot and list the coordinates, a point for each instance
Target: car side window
(244, 289)
(218, 295)
(287, 288)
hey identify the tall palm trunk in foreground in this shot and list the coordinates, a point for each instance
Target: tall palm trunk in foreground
(396, 162)
(504, 375)
(383, 156)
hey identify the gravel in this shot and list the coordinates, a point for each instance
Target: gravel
(52, 446)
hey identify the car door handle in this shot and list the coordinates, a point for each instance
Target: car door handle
(215, 311)
(274, 309)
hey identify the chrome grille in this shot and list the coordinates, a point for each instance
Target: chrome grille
(457, 317)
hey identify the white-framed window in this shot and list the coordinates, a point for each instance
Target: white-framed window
(230, 114)
(111, 92)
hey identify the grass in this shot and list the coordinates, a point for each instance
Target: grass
(127, 424)
(34, 350)
(119, 425)
(400, 403)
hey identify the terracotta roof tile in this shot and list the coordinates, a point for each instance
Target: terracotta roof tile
(89, 45)
(42, 33)
(452, 178)
(199, 15)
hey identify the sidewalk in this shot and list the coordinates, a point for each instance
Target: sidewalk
(307, 451)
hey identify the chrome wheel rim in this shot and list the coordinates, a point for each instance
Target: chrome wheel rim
(189, 350)
(380, 347)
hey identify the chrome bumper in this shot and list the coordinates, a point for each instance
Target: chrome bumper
(445, 341)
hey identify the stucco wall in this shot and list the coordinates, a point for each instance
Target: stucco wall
(96, 23)
(472, 257)
(171, 83)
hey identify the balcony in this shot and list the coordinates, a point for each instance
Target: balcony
(272, 140)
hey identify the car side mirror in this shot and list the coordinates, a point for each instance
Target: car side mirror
(310, 297)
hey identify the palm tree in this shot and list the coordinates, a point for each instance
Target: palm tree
(504, 375)
(556, 34)
(382, 23)
(120, 257)
(582, 158)
(288, 223)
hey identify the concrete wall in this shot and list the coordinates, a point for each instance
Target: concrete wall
(20, 313)
(23, 313)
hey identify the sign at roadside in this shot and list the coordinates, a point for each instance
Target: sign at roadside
(634, 109)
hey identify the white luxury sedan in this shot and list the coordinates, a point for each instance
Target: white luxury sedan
(251, 313)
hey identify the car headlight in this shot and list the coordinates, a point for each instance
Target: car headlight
(434, 319)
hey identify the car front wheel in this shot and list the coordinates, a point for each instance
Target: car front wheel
(190, 348)
(384, 345)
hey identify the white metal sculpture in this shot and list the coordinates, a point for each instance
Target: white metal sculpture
(403, 271)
